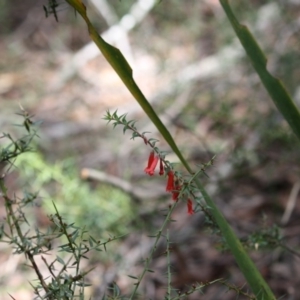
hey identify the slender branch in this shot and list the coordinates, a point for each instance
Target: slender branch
(27, 252)
(148, 259)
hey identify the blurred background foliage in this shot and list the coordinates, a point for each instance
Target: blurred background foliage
(102, 210)
(187, 60)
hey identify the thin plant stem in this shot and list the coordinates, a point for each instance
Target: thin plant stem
(149, 258)
(169, 266)
(10, 212)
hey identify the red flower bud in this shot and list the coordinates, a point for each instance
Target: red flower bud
(190, 207)
(161, 167)
(170, 184)
(152, 163)
(176, 193)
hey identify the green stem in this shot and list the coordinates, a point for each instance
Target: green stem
(258, 285)
(169, 266)
(148, 259)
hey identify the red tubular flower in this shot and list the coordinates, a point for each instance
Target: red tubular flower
(152, 163)
(150, 160)
(190, 207)
(170, 184)
(176, 193)
(161, 167)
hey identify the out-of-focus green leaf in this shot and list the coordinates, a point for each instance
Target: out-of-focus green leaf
(275, 88)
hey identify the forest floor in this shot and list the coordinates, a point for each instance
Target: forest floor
(188, 63)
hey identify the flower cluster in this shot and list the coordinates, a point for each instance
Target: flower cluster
(173, 182)
(173, 185)
(152, 163)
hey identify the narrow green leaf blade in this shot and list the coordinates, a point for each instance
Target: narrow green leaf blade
(275, 88)
(122, 68)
